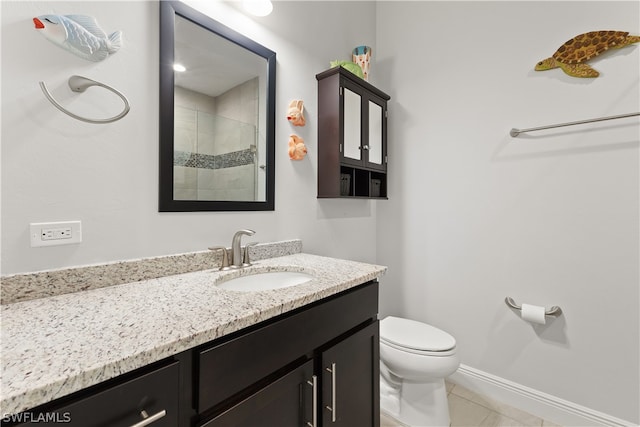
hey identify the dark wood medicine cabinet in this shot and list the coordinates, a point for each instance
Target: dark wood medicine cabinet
(352, 137)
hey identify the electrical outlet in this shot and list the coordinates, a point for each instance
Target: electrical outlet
(55, 233)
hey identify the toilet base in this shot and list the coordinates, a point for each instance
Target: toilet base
(418, 404)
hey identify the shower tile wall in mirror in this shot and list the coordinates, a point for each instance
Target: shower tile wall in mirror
(215, 154)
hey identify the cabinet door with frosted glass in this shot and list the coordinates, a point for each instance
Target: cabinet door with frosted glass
(363, 128)
(351, 149)
(375, 145)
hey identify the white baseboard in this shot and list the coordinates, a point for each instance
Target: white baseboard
(535, 402)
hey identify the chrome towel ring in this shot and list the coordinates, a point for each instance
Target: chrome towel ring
(80, 84)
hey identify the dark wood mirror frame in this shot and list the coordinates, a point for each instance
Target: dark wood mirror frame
(167, 203)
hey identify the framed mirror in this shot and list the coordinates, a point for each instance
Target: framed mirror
(217, 116)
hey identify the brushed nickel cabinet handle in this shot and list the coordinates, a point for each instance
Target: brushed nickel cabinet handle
(332, 408)
(314, 405)
(149, 419)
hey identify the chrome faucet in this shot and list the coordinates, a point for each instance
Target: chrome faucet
(236, 249)
(236, 259)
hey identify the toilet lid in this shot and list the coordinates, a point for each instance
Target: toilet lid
(415, 335)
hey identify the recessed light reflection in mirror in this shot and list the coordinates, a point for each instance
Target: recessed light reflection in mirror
(258, 7)
(179, 68)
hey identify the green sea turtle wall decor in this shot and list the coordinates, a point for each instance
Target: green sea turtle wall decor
(573, 54)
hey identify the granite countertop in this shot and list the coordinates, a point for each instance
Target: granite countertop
(54, 346)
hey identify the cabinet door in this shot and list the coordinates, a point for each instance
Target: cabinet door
(351, 381)
(363, 128)
(352, 124)
(287, 402)
(376, 136)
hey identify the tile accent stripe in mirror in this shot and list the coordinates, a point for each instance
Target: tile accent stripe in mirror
(28, 286)
(208, 161)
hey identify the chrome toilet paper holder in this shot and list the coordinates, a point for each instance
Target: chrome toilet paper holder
(553, 311)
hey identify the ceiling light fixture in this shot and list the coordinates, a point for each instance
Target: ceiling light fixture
(179, 68)
(258, 7)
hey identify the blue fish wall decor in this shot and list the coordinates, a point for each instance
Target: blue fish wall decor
(79, 34)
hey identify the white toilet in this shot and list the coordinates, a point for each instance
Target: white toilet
(414, 360)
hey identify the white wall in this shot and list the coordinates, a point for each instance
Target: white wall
(550, 218)
(473, 215)
(55, 168)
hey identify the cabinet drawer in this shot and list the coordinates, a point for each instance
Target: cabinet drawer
(287, 402)
(121, 405)
(234, 365)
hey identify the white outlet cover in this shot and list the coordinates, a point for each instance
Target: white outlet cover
(37, 229)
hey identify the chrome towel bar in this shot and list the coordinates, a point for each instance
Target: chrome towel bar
(515, 132)
(553, 311)
(80, 84)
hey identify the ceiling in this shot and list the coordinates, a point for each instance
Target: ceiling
(214, 64)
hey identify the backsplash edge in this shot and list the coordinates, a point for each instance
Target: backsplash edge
(27, 286)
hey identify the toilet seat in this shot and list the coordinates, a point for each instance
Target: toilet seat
(416, 337)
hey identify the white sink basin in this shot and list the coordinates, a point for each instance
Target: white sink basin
(262, 281)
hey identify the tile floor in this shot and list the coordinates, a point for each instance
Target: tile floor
(468, 409)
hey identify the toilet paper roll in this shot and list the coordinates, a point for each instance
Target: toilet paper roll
(533, 314)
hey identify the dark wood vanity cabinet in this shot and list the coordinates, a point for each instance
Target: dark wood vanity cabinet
(314, 366)
(352, 136)
(338, 387)
(317, 366)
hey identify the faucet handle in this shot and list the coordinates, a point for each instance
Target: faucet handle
(246, 262)
(225, 257)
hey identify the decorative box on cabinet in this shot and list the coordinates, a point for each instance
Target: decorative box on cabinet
(352, 136)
